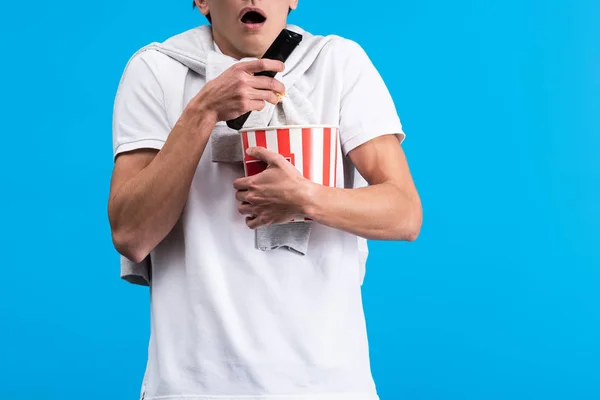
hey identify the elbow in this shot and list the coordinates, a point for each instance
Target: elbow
(408, 233)
(416, 222)
(408, 227)
(125, 241)
(412, 234)
(401, 230)
(126, 246)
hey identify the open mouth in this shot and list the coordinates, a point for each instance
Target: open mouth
(253, 17)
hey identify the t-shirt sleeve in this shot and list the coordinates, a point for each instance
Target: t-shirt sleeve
(367, 108)
(139, 115)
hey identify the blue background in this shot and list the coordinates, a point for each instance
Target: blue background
(498, 299)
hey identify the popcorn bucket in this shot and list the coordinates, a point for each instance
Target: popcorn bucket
(312, 149)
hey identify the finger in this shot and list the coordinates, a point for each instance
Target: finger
(253, 222)
(242, 195)
(242, 184)
(266, 83)
(260, 153)
(261, 65)
(246, 209)
(256, 105)
(264, 95)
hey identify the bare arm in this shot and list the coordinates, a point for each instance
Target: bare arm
(149, 189)
(389, 209)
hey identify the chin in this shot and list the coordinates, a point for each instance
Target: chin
(253, 44)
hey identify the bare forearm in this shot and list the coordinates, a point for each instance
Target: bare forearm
(146, 207)
(377, 212)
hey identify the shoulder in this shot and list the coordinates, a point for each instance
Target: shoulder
(345, 45)
(332, 45)
(343, 54)
(161, 64)
(344, 48)
(148, 59)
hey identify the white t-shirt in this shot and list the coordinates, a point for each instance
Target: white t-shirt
(229, 321)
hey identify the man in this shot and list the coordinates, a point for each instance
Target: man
(230, 320)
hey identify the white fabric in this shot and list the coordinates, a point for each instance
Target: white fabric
(229, 321)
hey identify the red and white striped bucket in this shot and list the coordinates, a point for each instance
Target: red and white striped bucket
(312, 149)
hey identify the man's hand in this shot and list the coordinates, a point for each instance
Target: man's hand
(273, 196)
(237, 91)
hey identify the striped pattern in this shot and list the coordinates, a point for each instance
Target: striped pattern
(313, 151)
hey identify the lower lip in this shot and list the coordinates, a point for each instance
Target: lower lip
(253, 27)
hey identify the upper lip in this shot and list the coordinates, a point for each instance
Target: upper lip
(248, 9)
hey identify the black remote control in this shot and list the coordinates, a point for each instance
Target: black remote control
(280, 50)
